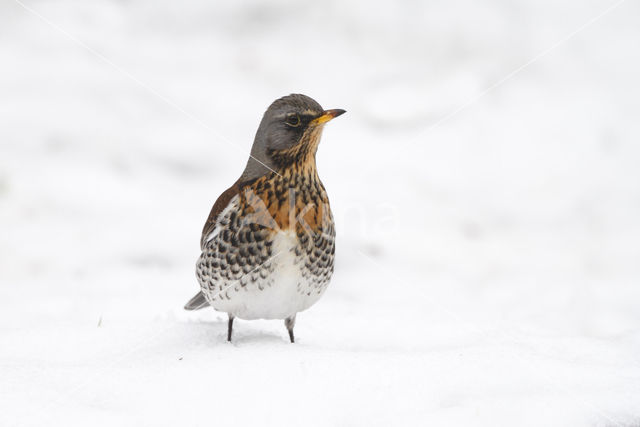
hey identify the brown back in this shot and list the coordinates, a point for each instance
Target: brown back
(218, 207)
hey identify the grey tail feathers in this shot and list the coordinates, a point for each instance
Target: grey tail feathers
(197, 302)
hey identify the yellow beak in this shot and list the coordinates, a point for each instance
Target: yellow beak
(327, 115)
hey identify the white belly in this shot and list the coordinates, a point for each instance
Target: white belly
(280, 295)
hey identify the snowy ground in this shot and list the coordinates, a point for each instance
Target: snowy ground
(488, 264)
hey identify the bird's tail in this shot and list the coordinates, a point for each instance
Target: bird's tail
(197, 302)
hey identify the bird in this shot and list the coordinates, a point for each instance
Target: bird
(268, 244)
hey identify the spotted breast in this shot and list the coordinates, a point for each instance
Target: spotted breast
(271, 252)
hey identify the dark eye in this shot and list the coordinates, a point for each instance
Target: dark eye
(293, 120)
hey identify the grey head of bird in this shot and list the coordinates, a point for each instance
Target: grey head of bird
(288, 135)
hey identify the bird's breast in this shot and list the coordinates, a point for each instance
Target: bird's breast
(290, 201)
(272, 250)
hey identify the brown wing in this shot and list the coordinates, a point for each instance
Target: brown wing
(218, 207)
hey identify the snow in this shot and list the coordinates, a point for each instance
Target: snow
(488, 264)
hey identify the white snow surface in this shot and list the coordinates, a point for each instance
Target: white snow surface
(488, 264)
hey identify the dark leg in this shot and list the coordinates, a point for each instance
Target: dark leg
(290, 322)
(230, 327)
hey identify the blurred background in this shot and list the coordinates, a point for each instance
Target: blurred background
(485, 184)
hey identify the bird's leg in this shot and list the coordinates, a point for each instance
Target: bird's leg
(290, 322)
(230, 328)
